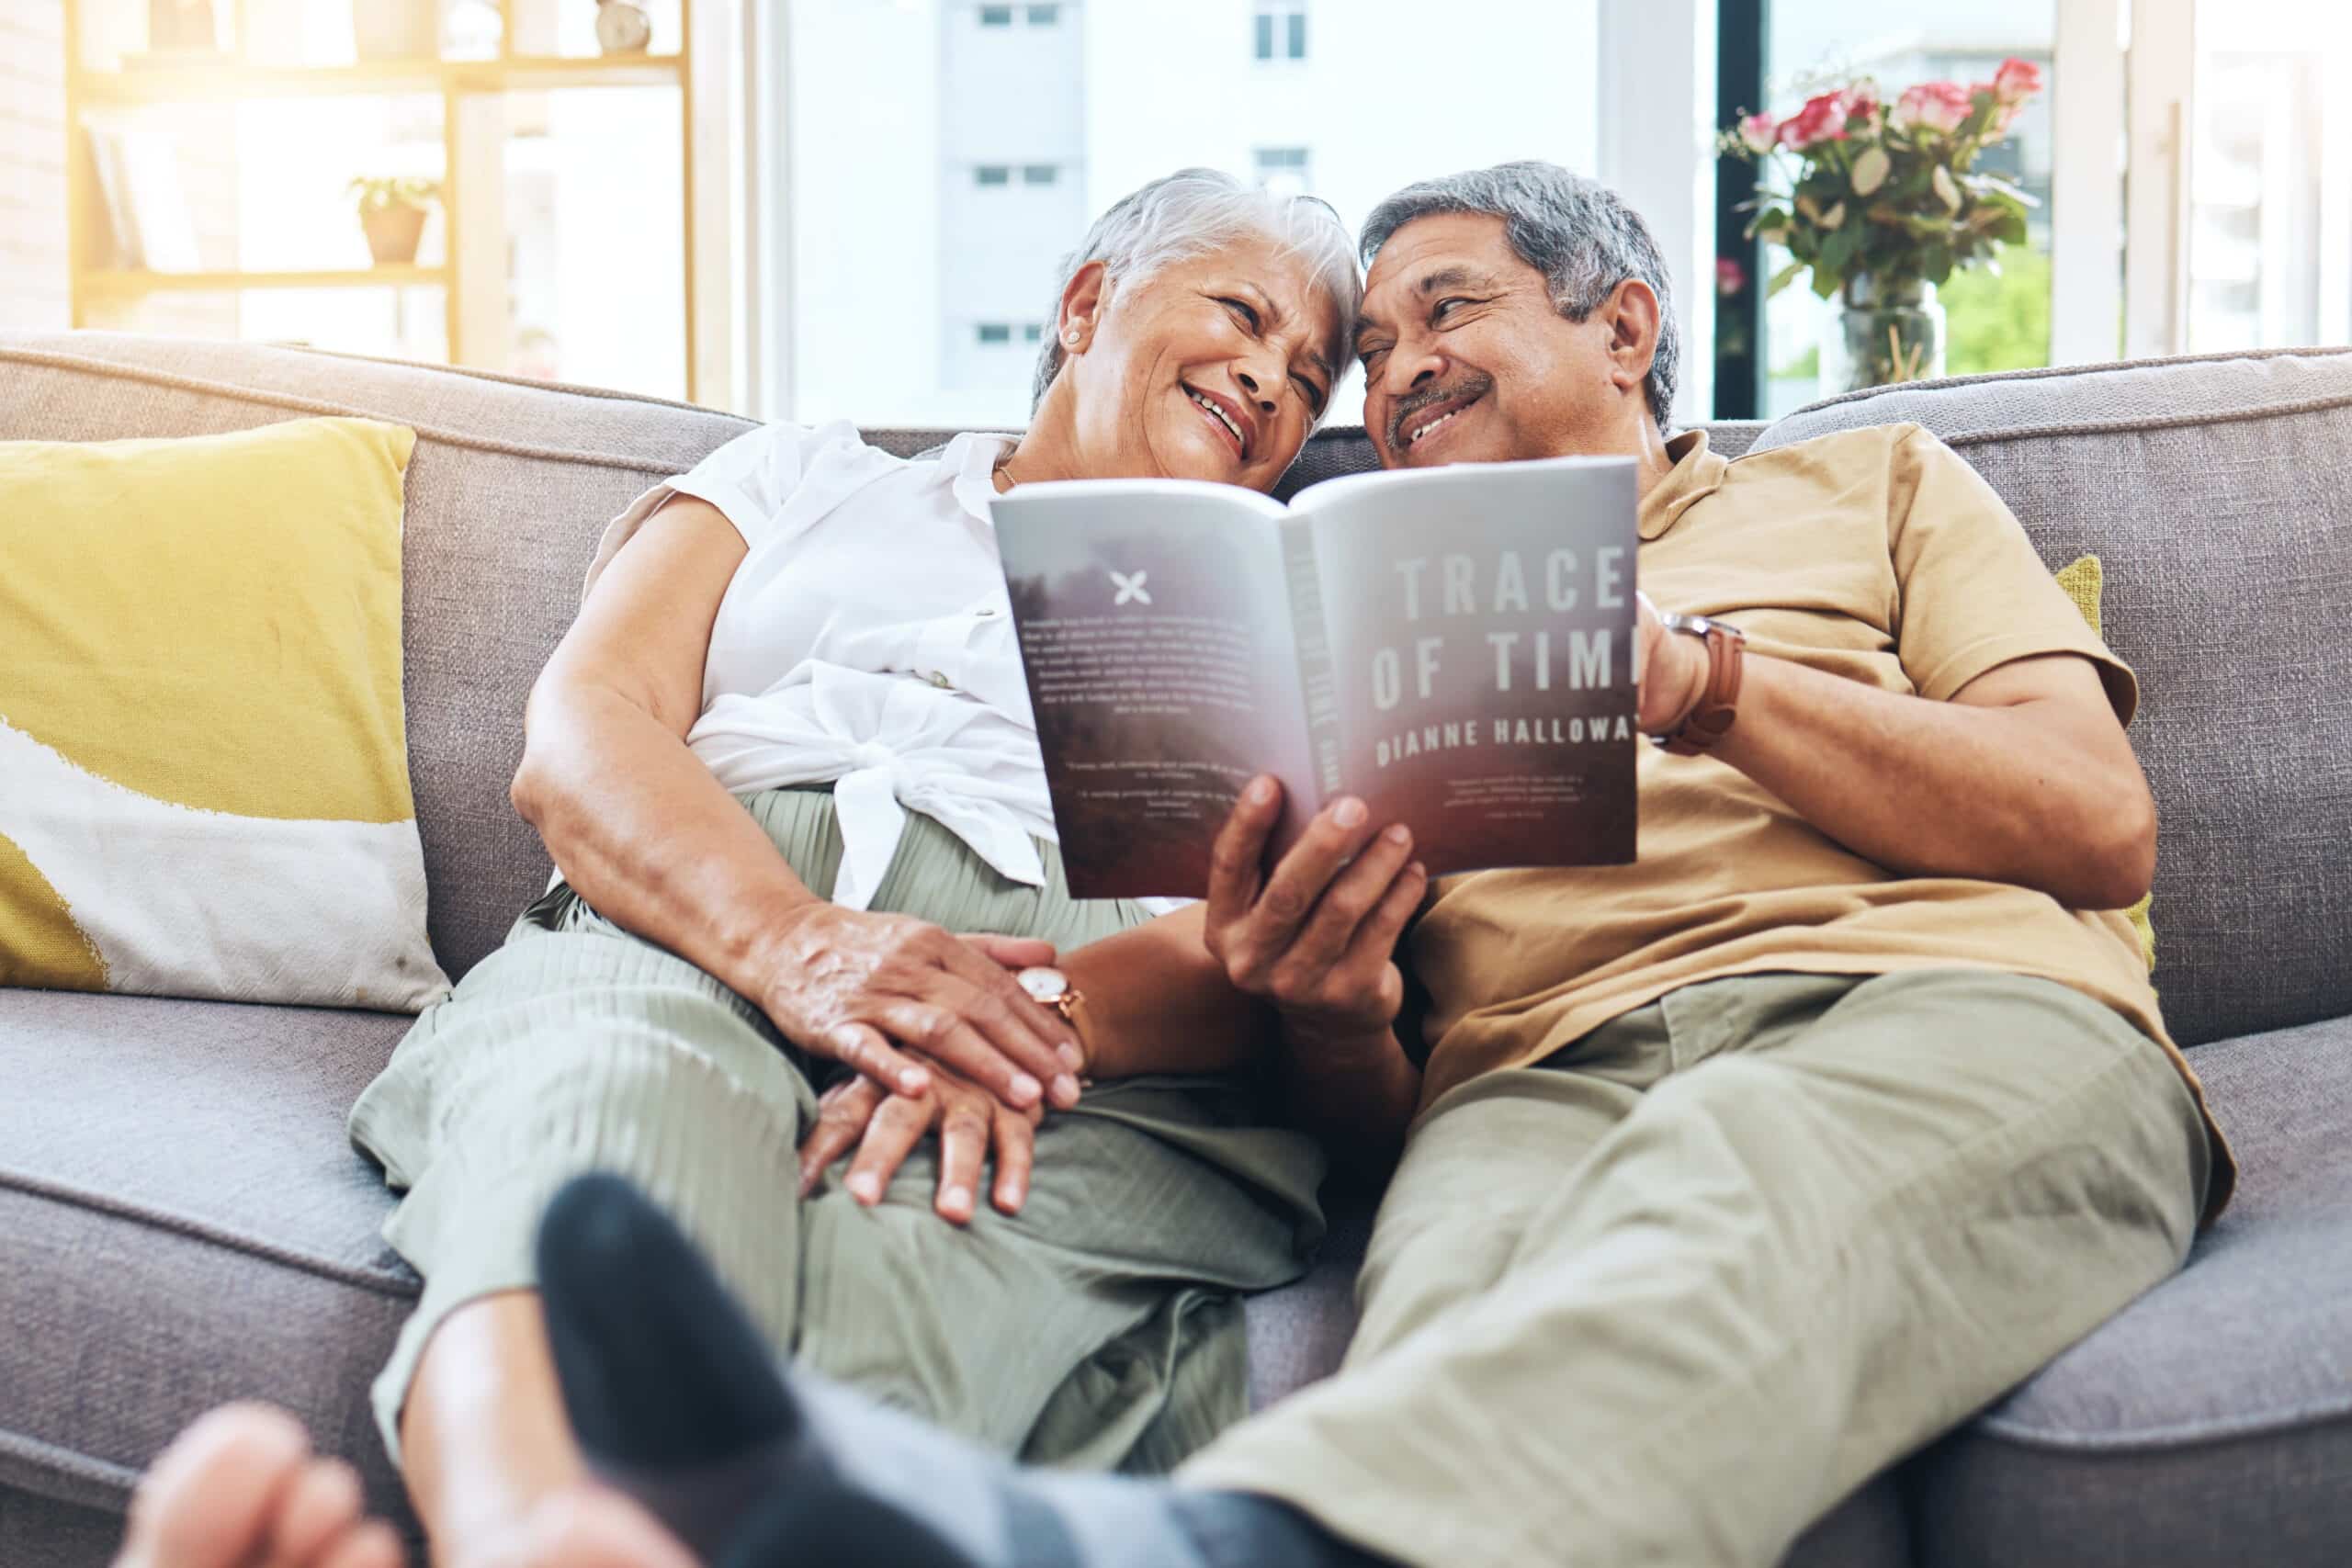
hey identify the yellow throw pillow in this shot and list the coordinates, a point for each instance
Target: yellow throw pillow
(204, 786)
(2085, 583)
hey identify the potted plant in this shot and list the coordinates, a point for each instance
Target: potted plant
(1880, 202)
(393, 212)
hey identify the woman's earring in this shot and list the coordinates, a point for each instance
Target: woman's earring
(1070, 338)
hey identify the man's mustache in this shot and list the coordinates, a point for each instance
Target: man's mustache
(1471, 388)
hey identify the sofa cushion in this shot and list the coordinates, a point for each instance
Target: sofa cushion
(200, 719)
(2210, 1423)
(511, 483)
(186, 1225)
(2219, 492)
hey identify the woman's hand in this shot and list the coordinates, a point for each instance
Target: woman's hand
(856, 987)
(1316, 936)
(884, 1128)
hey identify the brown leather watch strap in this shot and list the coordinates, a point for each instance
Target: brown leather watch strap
(1718, 702)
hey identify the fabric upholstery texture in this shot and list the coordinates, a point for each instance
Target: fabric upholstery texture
(184, 1224)
(2210, 1423)
(181, 1220)
(2223, 482)
(200, 719)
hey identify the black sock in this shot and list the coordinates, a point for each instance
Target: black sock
(676, 1401)
(666, 1372)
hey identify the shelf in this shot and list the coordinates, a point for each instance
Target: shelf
(121, 283)
(231, 81)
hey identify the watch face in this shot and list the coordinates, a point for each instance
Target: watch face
(1045, 984)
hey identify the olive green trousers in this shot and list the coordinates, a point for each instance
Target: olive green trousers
(1099, 1326)
(1670, 1295)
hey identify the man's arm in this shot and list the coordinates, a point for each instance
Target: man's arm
(2024, 777)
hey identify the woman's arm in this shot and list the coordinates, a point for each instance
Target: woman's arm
(636, 823)
(1156, 1003)
(641, 830)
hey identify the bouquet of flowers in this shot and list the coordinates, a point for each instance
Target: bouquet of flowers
(1877, 199)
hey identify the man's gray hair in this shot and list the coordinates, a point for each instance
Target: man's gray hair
(1191, 213)
(1577, 232)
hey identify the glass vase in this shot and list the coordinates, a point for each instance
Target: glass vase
(1885, 330)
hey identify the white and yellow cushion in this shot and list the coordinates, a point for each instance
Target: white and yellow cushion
(204, 786)
(2085, 581)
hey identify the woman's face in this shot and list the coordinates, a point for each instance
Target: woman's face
(1211, 368)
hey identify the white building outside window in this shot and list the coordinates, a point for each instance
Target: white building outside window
(1284, 170)
(1279, 30)
(885, 252)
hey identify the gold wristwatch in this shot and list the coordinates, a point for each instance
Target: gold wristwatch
(1049, 988)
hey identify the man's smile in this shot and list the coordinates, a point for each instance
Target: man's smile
(1427, 420)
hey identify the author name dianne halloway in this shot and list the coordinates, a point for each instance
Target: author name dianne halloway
(1452, 735)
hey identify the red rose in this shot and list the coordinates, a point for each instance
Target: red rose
(1822, 119)
(1861, 101)
(2016, 80)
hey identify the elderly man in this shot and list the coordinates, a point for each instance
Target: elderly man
(1733, 1174)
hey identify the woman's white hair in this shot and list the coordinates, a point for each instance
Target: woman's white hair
(1192, 212)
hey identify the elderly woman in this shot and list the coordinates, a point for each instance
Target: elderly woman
(784, 756)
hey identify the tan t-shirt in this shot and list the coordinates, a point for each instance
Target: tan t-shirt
(1878, 554)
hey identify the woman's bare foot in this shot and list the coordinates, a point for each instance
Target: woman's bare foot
(241, 1489)
(581, 1526)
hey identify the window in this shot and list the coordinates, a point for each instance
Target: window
(878, 270)
(1283, 169)
(1045, 15)
(996, 15)
(1994, 321)
(2269, 230)
(1281, 30)
(2220, 220)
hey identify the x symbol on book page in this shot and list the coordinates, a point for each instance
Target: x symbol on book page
(1130, 587)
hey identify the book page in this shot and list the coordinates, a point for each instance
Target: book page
(1481, 623)
(1156, 637)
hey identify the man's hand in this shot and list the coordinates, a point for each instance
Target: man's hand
(884, 1127)
(1317, 936)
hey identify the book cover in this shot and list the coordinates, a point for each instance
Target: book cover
(1453, 645)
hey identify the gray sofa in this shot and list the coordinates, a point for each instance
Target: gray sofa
(182, 1221)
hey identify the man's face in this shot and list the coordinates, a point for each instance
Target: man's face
(1466, 360)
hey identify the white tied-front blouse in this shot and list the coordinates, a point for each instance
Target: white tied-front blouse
(866, 642)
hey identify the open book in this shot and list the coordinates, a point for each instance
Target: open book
(1452, 645)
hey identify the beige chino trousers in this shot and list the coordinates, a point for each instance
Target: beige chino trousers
(1670, 1295)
